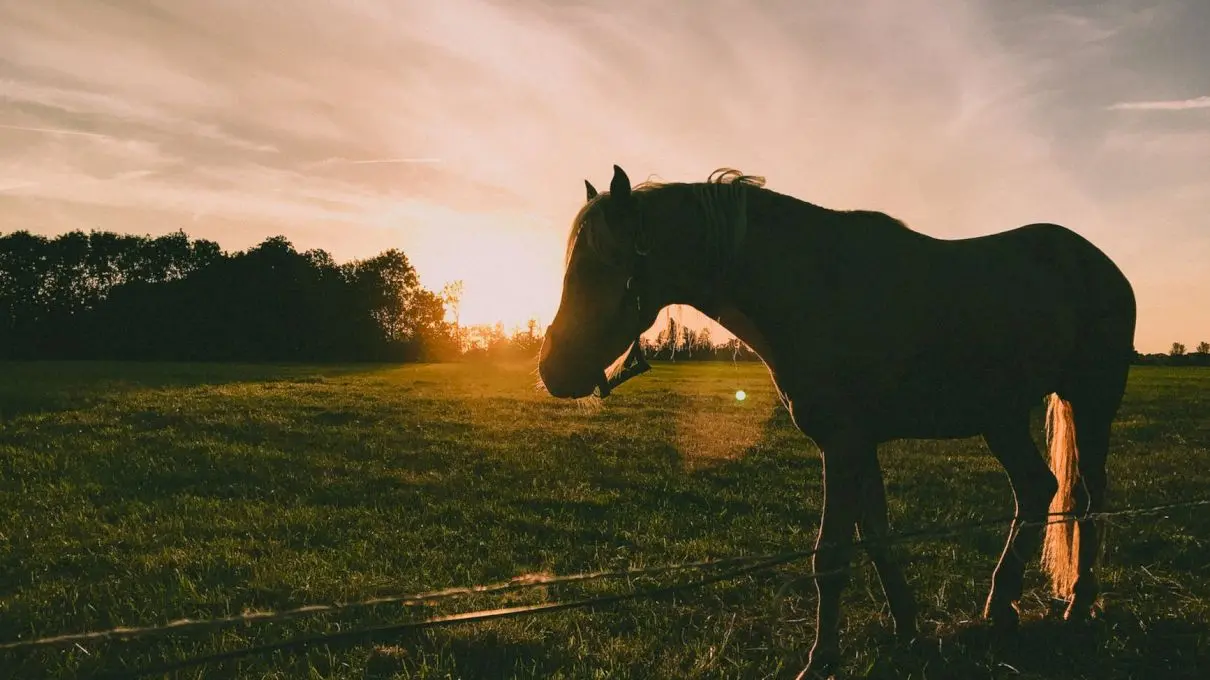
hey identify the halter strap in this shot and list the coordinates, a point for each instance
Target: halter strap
(635, 362)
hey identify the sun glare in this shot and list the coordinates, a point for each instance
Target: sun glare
(507, 277)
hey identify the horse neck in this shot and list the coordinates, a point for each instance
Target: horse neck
(702, 231)
(756, 305)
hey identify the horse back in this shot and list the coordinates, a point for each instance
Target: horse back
(938, 336)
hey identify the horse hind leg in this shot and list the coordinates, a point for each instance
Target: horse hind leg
(1080, 542)
(1079, 451)
(1093, 443)
(1033, 486)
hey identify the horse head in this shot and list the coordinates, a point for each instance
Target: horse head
(606, 302)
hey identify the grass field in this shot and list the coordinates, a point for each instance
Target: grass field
(135, 494)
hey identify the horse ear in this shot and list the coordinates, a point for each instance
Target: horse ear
(592, 191)
(619, 188)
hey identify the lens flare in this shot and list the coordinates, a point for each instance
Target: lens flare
(740, 395)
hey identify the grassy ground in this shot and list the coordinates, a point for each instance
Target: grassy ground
(138, 494)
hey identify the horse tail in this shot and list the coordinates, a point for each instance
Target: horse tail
(1060, 550)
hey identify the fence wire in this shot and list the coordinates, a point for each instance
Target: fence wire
(740, 566)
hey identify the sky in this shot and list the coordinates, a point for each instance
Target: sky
(461, 131)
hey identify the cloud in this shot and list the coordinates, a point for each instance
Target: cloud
(52, 131)
(15, 185)
(375, 161)
(1168, 105)
(1164, 145)
(517, 101)
(385, 161)
(108, 111)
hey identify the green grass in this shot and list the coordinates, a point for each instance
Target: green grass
(135, 494)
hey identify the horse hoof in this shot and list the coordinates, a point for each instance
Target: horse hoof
(1082, 615)
(813, 672)
(905, 626)
(819, 667)
(1002, 617)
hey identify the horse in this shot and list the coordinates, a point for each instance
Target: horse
(872, 331)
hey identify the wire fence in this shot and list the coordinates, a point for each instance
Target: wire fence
(732, 568)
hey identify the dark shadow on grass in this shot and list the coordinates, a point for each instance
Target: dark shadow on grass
(1118, 645)
(31, 387)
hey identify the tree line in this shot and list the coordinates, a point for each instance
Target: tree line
(1177, 355)
(103, 295)
(678, 342)
(675, 342)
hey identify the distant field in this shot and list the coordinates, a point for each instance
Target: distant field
(135, 494)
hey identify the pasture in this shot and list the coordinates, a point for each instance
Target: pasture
(135, 494)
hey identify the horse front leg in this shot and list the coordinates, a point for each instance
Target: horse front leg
(843, 468)
(873, 526)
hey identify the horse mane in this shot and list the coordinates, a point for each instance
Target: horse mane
(733, 176)
(725, 176)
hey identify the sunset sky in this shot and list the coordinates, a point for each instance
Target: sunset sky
(461, 130)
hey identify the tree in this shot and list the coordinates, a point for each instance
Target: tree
(451, 295)
(688, 339)
(487, 339)
(526, 343)
(668, 340)
(389, 287)
(1203, 347)
(1177, 349)
(24, 261)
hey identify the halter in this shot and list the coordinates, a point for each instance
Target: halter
(635, 363)
(711, 198)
